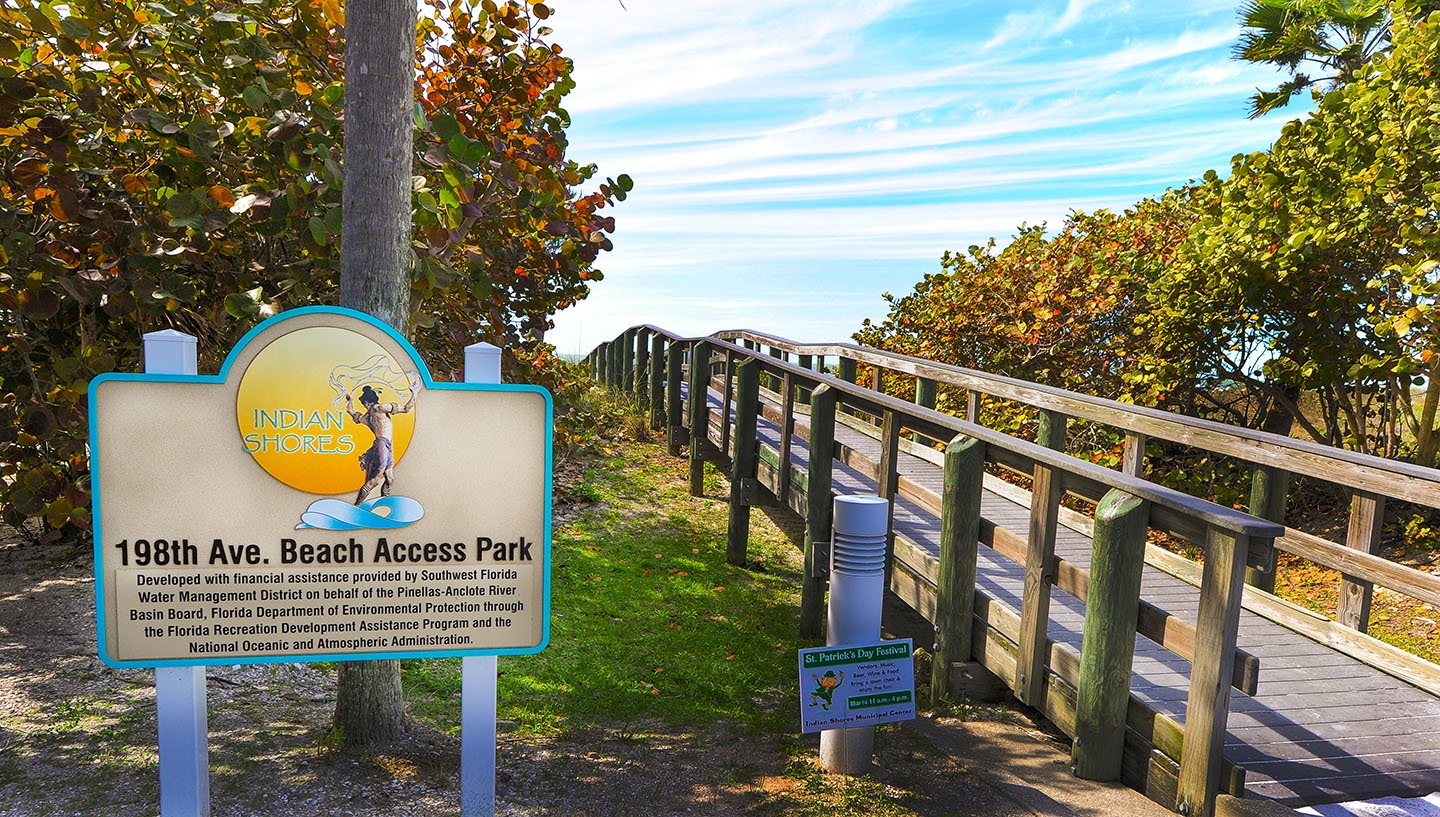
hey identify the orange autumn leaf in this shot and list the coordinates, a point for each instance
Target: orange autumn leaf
(221, 195)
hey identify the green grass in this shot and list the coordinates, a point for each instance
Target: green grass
(648, 621)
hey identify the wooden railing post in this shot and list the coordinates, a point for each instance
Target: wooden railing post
(818, 506)
(600, 355)
(627, 361)
(972, 406)
(612, 352)
(925, 390)
(787, 433)
(888, 482)
(657, 382)
(1046, 492)
(1207, 710)
(1367, 513)
(1108, 647)
(642, 369)
(805, 362)
(699, 414)
(959, 552)
(1268, 487)
(727, 402)
(778, 354)
(617, 363)
(1132, 461)
(1051, 430)
(847, 369)
(743, 486)
(674, 406)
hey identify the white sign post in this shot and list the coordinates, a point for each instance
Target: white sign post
(479, 674)
(180, 706)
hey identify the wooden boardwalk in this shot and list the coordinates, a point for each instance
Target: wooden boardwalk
(1221, 698)
(1321, 726)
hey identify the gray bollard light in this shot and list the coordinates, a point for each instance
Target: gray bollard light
(857, 591)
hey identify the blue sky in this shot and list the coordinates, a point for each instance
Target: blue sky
(794, 160)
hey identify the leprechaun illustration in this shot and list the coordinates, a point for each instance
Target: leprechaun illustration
(825, 688)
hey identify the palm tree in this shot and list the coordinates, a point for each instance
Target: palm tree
(1338, 36)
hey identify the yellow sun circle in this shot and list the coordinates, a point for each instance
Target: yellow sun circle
(293, 413)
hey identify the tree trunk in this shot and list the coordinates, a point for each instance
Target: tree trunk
(375, 267)
(1278, 417)
(375, 254)
(369, 706)
(1429, 436)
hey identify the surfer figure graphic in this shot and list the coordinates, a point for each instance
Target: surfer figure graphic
(378, 461)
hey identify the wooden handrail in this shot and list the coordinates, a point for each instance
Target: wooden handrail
(1346, 468)
(1027, 454)
(1397, 480)
(1372, 479)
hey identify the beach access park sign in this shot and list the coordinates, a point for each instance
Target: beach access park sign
(319, 499)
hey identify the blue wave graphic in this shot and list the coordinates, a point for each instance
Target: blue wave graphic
(381, 514)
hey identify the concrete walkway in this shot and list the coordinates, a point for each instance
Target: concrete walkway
(1025, 773)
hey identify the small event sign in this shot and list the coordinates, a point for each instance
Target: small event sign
(860, 685)
(320, 499)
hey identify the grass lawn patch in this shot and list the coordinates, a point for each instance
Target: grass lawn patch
(648, 620)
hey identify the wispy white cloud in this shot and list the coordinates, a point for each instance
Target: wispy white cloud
(1037, 24)
(663, 52)
(845, 144)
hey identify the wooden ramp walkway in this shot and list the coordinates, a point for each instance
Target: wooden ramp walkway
(1321, 726)
(1303, 722)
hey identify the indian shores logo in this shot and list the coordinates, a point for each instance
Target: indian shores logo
(329, 411)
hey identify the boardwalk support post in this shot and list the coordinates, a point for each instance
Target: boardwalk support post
(787, 434)
(674, 406)
(1132, 460)
(627, 361)
(959, 552)
(1111, 610)
(1208, 707)
(925, 389)
(657, 382)
(642, 369)
(888, 482)
(727, 401)
(1367, 513)
(742, 466)
(699, 414)
(805, 362)
(817, 516)
(1268, 488)
(616, 378)
(1046, 489)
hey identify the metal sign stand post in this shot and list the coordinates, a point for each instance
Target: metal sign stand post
(478, 673)
(857, 592)
(180, 691)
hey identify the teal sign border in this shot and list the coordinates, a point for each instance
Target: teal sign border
(219, 379)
